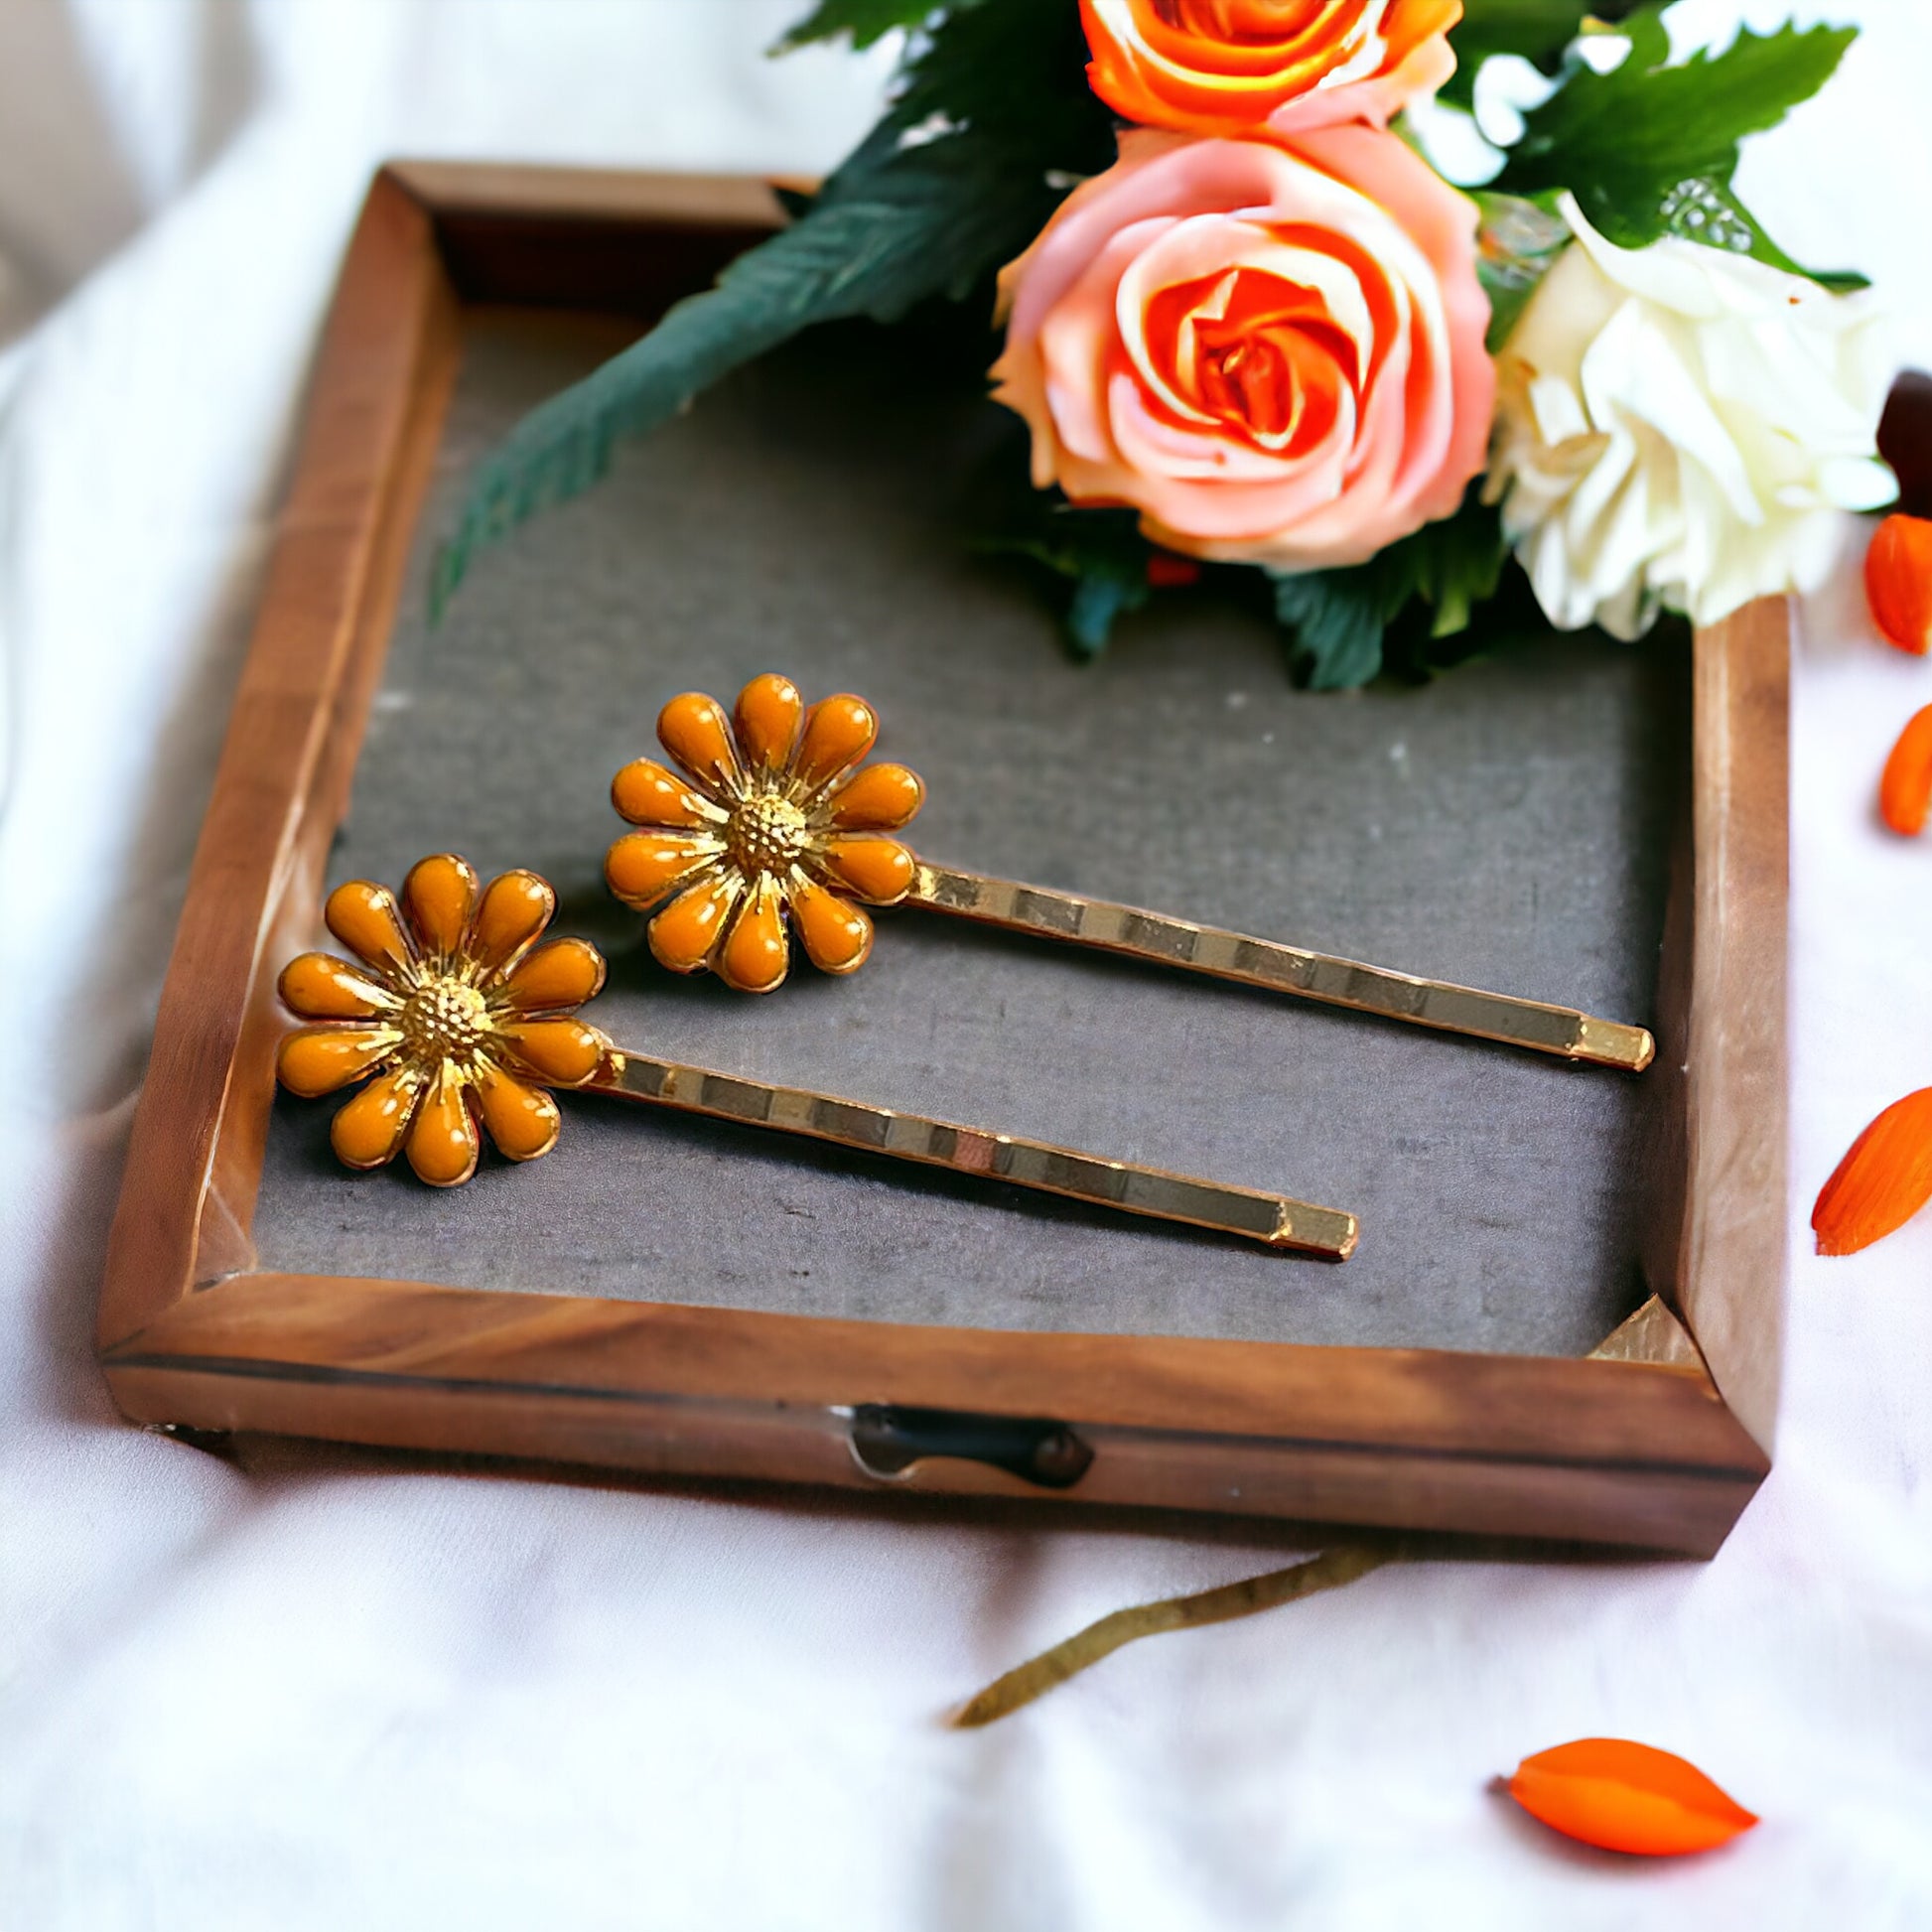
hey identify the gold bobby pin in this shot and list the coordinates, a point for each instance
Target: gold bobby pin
(461, 1022)
(769, 818)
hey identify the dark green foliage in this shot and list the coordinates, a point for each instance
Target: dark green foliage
(1538, 30)
(865, 21)
(1101, 552)
(1627, 142)
(992, 118)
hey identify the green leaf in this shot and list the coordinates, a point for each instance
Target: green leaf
(1710, 211)
(1520, 242)
(1621, 142)
(991, 118)
(1338, 620)
(865, 21)
(1101, 552)
(1538, 30)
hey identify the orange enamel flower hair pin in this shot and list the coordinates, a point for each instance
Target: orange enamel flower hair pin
(462, 1017)
(772, 824)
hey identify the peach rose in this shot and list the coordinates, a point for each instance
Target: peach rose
(1272, 349)
(1219, 67)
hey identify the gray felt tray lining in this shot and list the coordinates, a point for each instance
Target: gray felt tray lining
(1505, 826)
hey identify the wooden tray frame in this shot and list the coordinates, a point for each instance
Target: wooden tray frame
(1657, 1442)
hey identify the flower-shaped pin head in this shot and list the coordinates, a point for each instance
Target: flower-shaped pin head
(768, 819)
(455, 1008)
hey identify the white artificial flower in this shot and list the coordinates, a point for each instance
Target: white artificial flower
(1678, 425)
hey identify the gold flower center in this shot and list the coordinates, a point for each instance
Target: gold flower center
(766, 833)
(444, 1019)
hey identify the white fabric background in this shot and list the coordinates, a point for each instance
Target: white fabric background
(317, 1691)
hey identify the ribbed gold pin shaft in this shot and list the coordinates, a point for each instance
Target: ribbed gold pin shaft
(1272, 1219)
(1448, 1008)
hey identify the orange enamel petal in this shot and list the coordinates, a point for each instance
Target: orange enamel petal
(769, 711)
(365, 917)
(881, 798)
(564, 1053)
(879, 871)
(438, 898)
(698, 735)
(683, 934)
(1625, 1797)
(839, 731)
(315, 1061)
(367, 1131)
(649, 794)
(523, 1121)
(1898, 582)
(756, 953)
(1905, 791)
(442, 1142)
(1883, 1181)
(565, 973)
(836, 934)
(510, 918)
(641, 867)
(317, 985)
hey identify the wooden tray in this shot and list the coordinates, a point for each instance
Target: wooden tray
(1656, 1440)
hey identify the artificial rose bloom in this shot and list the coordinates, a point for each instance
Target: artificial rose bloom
(1222, 66)
(1678, 425)
(1272, 349)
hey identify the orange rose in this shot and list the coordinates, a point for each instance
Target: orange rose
(1217, 67)
(1272, 349)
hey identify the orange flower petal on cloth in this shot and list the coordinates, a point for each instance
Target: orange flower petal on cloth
(1898, 582)
(367, 1131)
(1625, 1797)
(696, 731)
(755, 954)
(879, 871)
(365, 919)
(1905, 791)
(510, 918)
(769, 712)
(565, 973)
(881, 798)
(443, 1142)
(317, 986)
(836, 934)
(314, 1060)
(641, 867)
(438, 898)
(564, 1050)
(1883, 1180)
(683, 934)
(648, 793)
(525, 1122)
(839, 731)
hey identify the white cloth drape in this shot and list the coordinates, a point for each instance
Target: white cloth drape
(318, 1692)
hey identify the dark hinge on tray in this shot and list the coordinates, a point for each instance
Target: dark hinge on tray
(887, 1440)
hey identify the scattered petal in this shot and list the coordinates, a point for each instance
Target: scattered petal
(648, 793)
(698, 735)
(839, 731)
(367, 1131)
(442, 1142)
(1625, 1797)
(525, 1122)
(683, 934)
(1905, 791)
(756, 954)
(881, 798)
(315, 1061)
(565, 973)
(365, 917)
(879, 871)
(1883, 1181)
(836, 934)
(438, 898)
(644, 866)
(510, 919)
(565, 1052)
(319, 987)
(1898, 582)
(769, 710)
